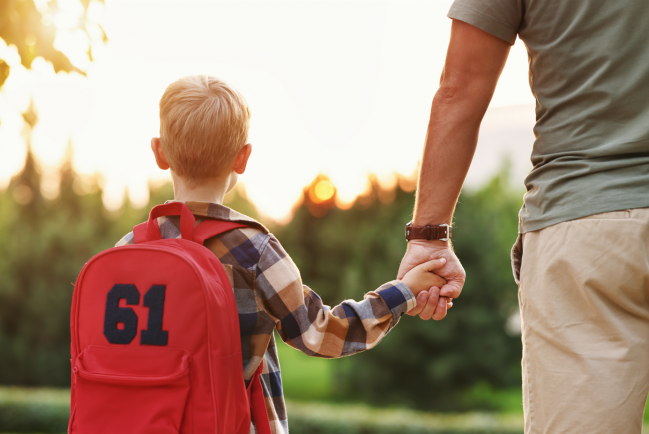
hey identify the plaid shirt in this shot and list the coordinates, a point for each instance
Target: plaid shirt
(270, 295)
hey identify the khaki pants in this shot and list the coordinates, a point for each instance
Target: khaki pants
(584, 299)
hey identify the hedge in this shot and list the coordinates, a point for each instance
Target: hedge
(24, 410)
(319, 418)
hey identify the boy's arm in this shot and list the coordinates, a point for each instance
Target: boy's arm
(316, 329)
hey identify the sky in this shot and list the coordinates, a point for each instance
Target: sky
(339, 88)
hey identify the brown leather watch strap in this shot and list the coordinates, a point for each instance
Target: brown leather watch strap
(431, 232)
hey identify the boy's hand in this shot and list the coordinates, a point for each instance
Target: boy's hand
(422, 278)
(435, 303)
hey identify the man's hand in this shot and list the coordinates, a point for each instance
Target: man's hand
(434, 303)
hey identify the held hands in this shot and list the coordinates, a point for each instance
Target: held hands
(434, 303)
(421, 278)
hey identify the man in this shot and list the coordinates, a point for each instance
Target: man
(582, 257)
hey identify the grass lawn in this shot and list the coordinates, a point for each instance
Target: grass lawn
(312, 407)
(39, 410)
(312, 379)
(305, 378)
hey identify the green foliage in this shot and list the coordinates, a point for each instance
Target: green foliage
(421, 364)
(34, 410)
(47, 411)
(318, 418)
(45, 244)
(26, 410)
(305, 378)
(461, 363)
(346, 253)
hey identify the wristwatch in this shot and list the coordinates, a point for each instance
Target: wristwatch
(430, 232)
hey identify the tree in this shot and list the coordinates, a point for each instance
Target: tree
(341, 254)
(439, 365)
(44, 245)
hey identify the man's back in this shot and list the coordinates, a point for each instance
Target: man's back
(589, 72)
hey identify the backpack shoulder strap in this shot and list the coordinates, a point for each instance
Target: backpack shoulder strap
(205, 230)
(258, 403)
(139, 233)
(209, 228)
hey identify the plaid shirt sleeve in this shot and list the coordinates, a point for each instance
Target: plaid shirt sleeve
(316, 329)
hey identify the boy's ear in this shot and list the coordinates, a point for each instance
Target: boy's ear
(160, 158)
(242, 159)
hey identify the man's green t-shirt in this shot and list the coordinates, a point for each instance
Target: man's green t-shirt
(589, 72)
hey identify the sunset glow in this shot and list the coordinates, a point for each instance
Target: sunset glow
(339, 89)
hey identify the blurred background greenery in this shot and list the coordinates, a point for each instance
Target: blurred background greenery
(341, 254)
(455, 364)
(468, 362)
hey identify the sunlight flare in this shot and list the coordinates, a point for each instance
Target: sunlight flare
(322, 191)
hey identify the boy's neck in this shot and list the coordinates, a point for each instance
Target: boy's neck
(208, 190)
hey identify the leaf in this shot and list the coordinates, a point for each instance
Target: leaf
(4, 72)
(22, 25)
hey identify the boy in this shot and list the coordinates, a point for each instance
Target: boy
(203, 140)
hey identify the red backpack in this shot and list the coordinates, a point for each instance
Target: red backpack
(156, 345)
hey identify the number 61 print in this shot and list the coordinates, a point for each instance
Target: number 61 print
(154, 299)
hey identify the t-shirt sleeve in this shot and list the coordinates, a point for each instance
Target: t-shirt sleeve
(501, 18)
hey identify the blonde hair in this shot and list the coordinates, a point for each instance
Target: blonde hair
(203, 125)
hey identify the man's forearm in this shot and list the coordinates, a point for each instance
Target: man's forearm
(473, 65)
(450, 144)
(474, 62)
